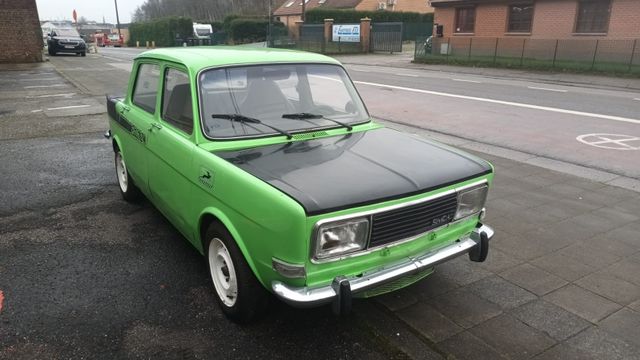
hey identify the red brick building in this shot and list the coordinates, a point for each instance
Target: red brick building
(541, 19)
(20, 32)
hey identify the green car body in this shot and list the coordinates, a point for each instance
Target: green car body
(196, 180)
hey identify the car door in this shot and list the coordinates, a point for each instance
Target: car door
(139, 113)
(170, 144)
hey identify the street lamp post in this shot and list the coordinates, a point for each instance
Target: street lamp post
(117, 18)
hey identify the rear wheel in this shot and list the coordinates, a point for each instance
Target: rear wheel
(128, 189)
(240, 295)
(84, 53)
(51, 51)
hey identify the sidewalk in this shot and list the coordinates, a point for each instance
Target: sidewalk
(403, 60)
(561, 281)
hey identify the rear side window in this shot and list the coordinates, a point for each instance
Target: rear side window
(176, 100)
(145, 91)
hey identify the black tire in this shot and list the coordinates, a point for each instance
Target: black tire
(83, 53)
(51, 51)
(128, 188)
(251, 299)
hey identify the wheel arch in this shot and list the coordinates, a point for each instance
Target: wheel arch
(213, 215)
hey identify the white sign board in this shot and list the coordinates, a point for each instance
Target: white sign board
(346, 33)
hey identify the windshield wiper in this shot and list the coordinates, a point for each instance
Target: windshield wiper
(246, 119)
(304, 115)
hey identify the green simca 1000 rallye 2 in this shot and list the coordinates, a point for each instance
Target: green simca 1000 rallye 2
(268, 162)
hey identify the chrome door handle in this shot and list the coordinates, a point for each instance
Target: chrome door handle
(155, 125)
(125, 108)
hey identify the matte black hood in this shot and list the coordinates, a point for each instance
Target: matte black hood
(334, 173)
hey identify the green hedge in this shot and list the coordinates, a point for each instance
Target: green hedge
(247, 30)
(318, 15)
(163, 31)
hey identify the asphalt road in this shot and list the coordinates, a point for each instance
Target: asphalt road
(84, 274)
(537, 118)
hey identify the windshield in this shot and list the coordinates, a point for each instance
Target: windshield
(203, 31)
(281, 96)
(67, 32)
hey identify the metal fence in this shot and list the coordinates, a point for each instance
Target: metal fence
(615, 56)
(386, 37)
(312, 39)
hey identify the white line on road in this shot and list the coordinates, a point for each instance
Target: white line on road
(465, 80)
(411, 75)
(509, 103)
(43, 86)
(51, 95)
(111, 58)
(637, 99)
(35, 111)
(40, 79)
(546, 89)
(69, 107)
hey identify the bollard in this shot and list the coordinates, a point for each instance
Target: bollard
(153, 44)
(184, 44)
(147, 44)
(137, 43)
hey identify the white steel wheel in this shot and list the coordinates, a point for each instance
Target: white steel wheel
(223, 272)
(121, 172)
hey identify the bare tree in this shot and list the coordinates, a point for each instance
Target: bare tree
(201, 10)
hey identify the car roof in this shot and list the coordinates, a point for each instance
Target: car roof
(200, 57)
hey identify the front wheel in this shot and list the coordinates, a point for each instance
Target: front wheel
(84, 53)
(128, 189)
(240, 295)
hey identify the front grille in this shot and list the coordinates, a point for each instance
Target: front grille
(403, 223)
(66, 42)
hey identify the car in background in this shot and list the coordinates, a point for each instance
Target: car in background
(114, 40)
(202, 31)
(66, 40)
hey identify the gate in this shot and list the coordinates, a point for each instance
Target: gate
(312, 33)
(386, 37)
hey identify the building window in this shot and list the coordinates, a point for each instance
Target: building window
(520, 18)
(465, 19)
(593, 16)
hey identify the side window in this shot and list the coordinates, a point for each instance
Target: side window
(146, 87)
(176, 100)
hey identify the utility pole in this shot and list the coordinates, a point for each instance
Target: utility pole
(117, 18)
(304, 6)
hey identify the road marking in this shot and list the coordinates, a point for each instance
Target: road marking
(51, 95)
(68, 107)
(502, 102)
(36, 111)
(611, 141)
(39, 79)
(411, 75)
(111, 58)
(546, 89)
(122, 66)
(43, 86)
(637, 99)
(465, 80)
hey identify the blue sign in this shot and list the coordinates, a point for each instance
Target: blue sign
(346, 33)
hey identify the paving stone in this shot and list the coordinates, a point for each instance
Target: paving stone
(599, 198)
(462, 271)
(516, 223)
(465, 308)
(394, 331)
(566, 208)
(565, 190)
(432, 286)
(626, 269)
(628, 234)
(631, 205)
(528, 246)
(603, 219)
(625, 324)
(635, 306)
(582, 302)
(503, 206)
(429, 322)
(467, 346)
(396, 300)
(550, 319)
(563, 351)
(585, 254)
(511, 337)
(610, 242)
(563, 266)
(600, 344)
(533, 279)
(501, 292)
(498, 261)
(610, 287)
(531, 199)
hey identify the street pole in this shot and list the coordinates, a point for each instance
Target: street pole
(269, 35)
(304, 6)
(117, 17)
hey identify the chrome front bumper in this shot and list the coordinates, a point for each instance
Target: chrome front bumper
(476, 243)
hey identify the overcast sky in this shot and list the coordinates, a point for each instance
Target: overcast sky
(90, 9)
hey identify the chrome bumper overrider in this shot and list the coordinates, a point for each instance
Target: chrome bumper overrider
(309, 297)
